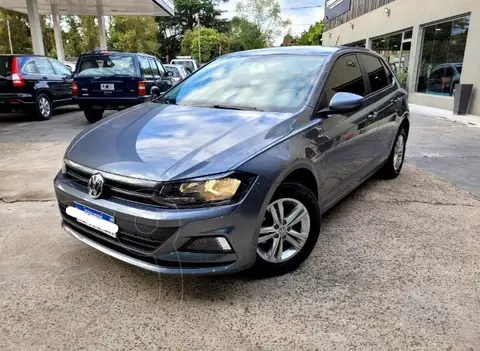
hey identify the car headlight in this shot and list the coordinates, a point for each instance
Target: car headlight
(204, 192)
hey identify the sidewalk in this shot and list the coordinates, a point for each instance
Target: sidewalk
(469, 120)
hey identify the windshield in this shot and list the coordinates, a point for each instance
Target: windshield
(280, 83)
(107, 65)
(187, 64)
(174, 71)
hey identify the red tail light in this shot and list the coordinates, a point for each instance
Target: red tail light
(75, 88)
(17, 78)
(141, 89)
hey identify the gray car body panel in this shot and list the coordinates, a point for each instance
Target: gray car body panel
(169, 143)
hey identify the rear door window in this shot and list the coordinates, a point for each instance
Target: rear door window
(44, 67)
(147, 72)
(160, 67)
(375, 71)
(154, 68)
(30, 68)
(106, 66)
(345, 77)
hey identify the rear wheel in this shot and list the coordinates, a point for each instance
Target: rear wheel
(92, 115)
(289, 231)
(43, 107)
(394, 164)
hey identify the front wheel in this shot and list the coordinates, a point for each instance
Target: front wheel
(289, 231)
(394, 164)
(92, 115)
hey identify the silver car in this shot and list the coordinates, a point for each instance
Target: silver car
(233, 167)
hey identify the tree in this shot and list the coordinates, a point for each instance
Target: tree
(172, 29)
(72, 40)
(211, 43)
(19, 32)
(89, 33)
(134, 33)
(313, 36)
(48, 36)
(246, 35)
(289, 40)
(265, 14)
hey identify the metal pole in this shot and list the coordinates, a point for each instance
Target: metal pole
(9, 36)
(199, 38)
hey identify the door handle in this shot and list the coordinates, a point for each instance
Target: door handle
(372, 116)
(396, 101)
(45, 77)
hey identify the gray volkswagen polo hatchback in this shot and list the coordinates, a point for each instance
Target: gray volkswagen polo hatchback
(232, 168)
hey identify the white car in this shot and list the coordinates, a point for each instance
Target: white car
(190, 65)
(178, 72)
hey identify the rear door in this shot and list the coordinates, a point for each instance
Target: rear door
(161, 80)
(65, 77)
(48, 79)
(147, 74)
(384, 99)
(107, 75)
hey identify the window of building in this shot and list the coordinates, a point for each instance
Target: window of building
(441, 60)
(375, 71)
(346, 77)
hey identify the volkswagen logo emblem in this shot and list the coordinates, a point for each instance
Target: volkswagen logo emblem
(95, 185)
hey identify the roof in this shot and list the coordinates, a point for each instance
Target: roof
(89, 7)
(289, 50)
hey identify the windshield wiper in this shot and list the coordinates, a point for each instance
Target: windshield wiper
(227, 107)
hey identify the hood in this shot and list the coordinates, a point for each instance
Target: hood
(163, 142)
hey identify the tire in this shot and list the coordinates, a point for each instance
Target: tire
(43, 107)
(288, 195)
(392, 168)
(92, 115)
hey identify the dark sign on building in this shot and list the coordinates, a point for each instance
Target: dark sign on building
(335, 8)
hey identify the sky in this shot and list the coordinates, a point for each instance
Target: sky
(301, 18)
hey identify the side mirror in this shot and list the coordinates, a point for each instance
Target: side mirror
(169, 74)
(345, 102)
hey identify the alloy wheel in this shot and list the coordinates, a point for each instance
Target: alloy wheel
(398, 152)
(44, 106)
(284, 231)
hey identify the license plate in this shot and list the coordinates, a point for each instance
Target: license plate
(94, 219)
(107, 86)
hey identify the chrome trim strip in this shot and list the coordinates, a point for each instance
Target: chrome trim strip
(141, 264)
(111, 176)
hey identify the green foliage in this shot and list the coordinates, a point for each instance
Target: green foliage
(246, 35)
(289, 40)
(172, 29)
(134, 33)
(19, 31)
(313, 36)
(89, 33)
(48, 36)
(210, 44)
(72, 40)
(265, 14)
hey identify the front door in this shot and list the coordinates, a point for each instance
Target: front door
(346, 137)
(64, 77)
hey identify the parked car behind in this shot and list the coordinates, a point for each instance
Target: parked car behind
(71, 63)
(33, 84)
(106, 80)
(177, 72)
(444, 78)
(233, 167)
(190, 65)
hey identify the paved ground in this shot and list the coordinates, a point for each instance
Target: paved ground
(396, 267)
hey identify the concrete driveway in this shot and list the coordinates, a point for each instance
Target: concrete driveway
(396, 267)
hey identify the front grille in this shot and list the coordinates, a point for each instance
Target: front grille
(144, 243)
(112, 188)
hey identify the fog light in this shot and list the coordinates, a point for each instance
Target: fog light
(208, 244)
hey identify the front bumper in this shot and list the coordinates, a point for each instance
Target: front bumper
(171, 229)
